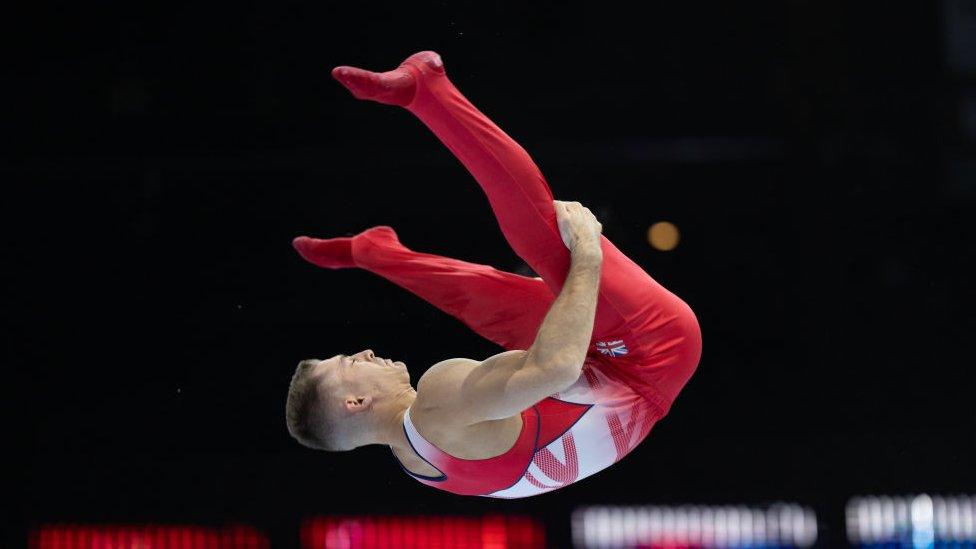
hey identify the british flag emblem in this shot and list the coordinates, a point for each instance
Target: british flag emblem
(612, 348)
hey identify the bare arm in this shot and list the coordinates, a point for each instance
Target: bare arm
(507, 383)
(564, 336)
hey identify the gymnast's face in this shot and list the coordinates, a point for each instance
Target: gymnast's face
(362, 375)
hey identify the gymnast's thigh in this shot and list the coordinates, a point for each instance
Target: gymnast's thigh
(643, 332)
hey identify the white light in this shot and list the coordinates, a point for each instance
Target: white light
(745, 525)
(940, 517)
(695, 526)
(855, 524)
(702, 526)
(708, 537)
(735, 526)
(904, 523)
(809, 535)
(629, 527)
(922, 511)
(786, 524)
(759, 526)
(643, 525)
(874, 520)
(923, 535)
(668, 523)
(888, 526)
(967, 512)
(772, 526)
(721, 527)
(681, 526)
(578, 520)
(617, 533)
(655, 521)
(603, 526)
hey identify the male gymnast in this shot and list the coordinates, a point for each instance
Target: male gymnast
(597, 351)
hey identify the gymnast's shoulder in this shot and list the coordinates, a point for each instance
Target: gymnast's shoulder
(463, 390)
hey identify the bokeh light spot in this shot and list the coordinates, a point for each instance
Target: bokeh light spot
(663, 236)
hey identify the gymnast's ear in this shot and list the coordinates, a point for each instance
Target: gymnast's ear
(358, 404)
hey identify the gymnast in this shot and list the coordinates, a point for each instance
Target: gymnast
(596, 350)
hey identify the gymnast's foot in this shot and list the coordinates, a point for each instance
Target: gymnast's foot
(394, 87)
(337, 253)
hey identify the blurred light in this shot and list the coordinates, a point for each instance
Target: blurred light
(659, 527)
(381, 532)
(923, 529)
(663, 236)
(146, 537)
(912, 521)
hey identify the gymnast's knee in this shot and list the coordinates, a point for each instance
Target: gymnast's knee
(688, 333)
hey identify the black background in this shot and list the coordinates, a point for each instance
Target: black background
(158, 160)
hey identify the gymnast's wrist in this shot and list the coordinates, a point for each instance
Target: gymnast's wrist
(587, 253)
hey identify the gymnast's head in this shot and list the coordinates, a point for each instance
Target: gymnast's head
(341, 403)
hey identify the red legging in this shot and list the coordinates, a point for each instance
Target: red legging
(659, 332)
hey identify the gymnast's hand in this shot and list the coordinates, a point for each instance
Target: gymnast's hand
(578, 227)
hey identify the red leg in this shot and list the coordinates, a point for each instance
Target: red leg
(523, 204)
(659, 329)
(502, 307)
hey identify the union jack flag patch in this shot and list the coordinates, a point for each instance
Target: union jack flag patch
(612, 348)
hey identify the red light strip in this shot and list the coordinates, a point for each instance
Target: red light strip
(61, 536)
(422, 532)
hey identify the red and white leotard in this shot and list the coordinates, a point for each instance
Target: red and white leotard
(566, 437)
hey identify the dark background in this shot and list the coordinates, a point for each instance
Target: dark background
(818, 159)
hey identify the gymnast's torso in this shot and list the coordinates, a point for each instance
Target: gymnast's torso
(561, 439)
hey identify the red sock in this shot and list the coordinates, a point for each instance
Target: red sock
(337, 253)
(330, 253)
(394, 87)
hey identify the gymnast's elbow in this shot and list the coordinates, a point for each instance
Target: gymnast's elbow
(564, 373)
(560, 372)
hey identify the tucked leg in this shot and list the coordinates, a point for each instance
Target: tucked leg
(516, 189)
(631, 305)
(502, 307)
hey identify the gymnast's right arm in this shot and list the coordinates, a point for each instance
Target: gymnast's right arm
(507, 383)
